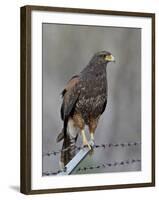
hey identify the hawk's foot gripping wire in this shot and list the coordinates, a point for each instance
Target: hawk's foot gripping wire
(84, 140)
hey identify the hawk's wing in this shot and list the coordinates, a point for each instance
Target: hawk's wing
(104, 106)
(70, 96)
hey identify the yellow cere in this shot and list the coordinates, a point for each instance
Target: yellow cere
(109, 58)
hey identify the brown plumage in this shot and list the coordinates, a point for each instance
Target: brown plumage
(84, 101)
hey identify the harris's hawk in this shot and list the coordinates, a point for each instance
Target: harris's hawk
(84, 100)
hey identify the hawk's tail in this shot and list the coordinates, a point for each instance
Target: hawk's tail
(63, 133)
(60, 136)
(68, 150)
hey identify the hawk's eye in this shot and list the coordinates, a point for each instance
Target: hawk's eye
(104, 57)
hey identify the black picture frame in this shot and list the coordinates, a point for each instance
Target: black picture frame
(26, 82)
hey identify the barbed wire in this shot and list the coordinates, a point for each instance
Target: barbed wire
(114, 164)
(104, 146)
(100, 166)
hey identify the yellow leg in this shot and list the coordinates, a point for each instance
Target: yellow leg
(92, 139)
(85, 142)
(92, 136)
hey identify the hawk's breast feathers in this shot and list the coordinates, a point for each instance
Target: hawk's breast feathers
(86, 93)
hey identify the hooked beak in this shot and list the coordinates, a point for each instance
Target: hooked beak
(110, 58)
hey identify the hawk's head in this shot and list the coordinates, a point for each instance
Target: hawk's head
(103, 57)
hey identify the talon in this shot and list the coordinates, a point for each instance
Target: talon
(92, 143)
(87, 145)
(85, 142)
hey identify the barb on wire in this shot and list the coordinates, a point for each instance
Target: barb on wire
(113, 164)
(104, 146)
(101, 166)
